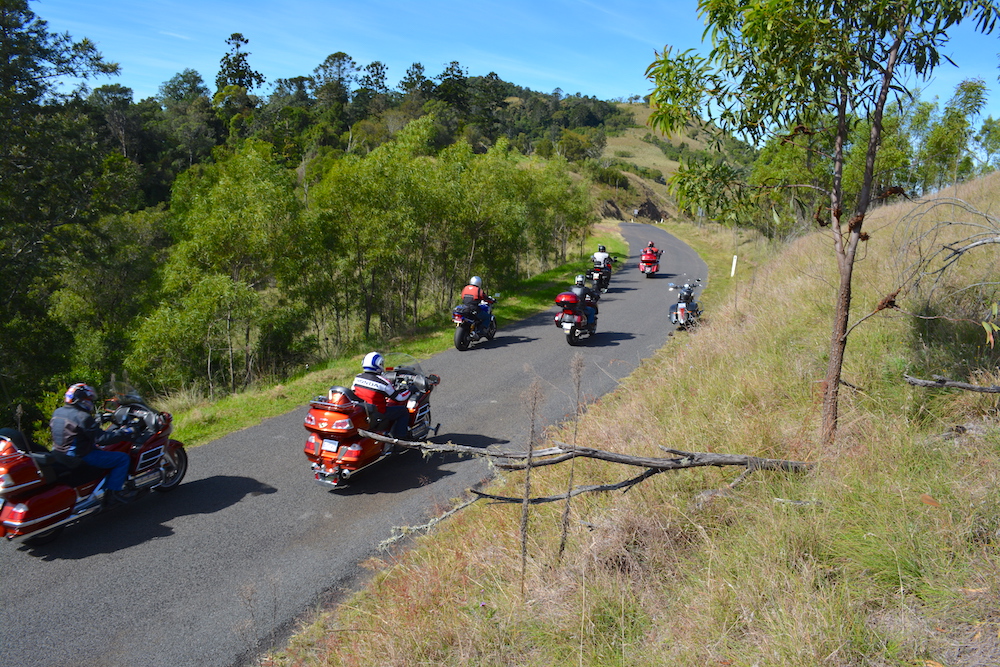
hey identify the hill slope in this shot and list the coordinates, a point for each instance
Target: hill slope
(884, 554)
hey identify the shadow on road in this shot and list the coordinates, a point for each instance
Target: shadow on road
(608, 338)
(145, 519)
(500, 341)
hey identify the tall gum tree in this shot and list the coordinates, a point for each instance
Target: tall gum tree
(779, 64)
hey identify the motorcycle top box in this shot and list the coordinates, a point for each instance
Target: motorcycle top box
(567, 299)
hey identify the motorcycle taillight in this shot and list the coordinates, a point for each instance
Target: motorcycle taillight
(352, 453)
(17, 513)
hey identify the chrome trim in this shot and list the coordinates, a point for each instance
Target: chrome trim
(70, 519)
(4, 490)
(22, 524)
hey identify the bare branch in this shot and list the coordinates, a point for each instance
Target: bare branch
(563, 452)
(944, 382)
(626, 484)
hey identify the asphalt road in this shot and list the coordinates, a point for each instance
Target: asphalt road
(219, 569)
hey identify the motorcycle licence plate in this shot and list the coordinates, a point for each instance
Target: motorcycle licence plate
(330, 445)
(681, 304)
(567, 325)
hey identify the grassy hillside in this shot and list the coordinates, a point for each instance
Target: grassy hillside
(885, 554)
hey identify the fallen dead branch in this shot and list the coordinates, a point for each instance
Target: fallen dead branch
(513, 460)
(939, 382)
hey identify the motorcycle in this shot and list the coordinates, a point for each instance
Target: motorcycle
(572, 318)
(649, 262)
(335, 449)
(42, 492)
(600, 275)
(469, 328)
(686, 311)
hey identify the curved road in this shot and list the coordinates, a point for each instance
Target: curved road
(218, 570)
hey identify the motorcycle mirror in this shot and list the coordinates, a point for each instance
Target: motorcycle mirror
(497, 295)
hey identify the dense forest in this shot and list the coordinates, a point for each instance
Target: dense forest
(211, 239)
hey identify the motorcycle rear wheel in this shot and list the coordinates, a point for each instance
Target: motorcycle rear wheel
(461, 338)
(573, 336)
(44, 536)
(173, 477)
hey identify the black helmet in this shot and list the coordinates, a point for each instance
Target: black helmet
(601, 248)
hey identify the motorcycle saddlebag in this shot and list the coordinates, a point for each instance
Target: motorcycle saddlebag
(43, 509)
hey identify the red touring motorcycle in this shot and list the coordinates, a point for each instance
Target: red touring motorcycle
(572, 318)
(41, 492)
(649, 262)
(334, 447)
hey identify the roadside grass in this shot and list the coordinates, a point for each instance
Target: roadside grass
(198, 420)
(886, 553)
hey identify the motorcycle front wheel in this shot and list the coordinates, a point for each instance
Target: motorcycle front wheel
(462, 338)
(174, 473)
(491, 331)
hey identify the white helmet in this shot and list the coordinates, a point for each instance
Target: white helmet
(476, 280)
(373, 363)
(580, 280)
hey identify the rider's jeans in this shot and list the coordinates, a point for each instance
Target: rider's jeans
(117, 461)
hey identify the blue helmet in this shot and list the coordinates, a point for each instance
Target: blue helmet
(373, 363)
(81, 395)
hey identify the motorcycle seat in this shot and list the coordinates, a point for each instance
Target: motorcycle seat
(347, 393)
(58, 467)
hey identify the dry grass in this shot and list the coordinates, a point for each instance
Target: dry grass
(888, 556)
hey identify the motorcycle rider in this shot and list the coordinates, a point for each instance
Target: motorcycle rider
(76, 435)
(474, 295)
(603, 260)
(375, 390)
(588, 298)
(651, 249)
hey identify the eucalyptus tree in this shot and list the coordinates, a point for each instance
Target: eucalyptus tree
(48, 161)
(775, 66)
(240, 238)
(988, 142)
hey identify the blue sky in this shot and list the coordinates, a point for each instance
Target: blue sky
(598, 48)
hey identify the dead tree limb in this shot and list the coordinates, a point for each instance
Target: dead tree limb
(939, 381)
(576, 491)
(563, 452)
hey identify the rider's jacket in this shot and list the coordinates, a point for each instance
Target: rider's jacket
(473, 294)
(601, 259)
(587, 296)
(76, 432)
(374, 389)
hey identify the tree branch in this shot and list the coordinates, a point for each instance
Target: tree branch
(945, 382)
(563, 452)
